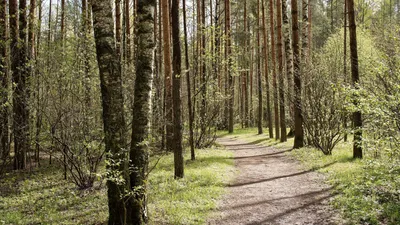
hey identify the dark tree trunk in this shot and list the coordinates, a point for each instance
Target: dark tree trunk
(273, 57)
(4, 83)
(141, 107)
(189, 93)
(118, 26)
(167, 72)
(298, 118)
(112, 103)
(355, 78)
(344, 63)
(265, 38)
(260, 107)
(20, 77)
(282, 118)
(228, 55)
(176, 92)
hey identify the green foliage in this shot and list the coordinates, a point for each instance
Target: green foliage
(367, 190)
(188, 200)
(43, 197)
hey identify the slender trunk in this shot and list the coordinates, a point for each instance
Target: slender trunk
(309, 29)
(118, 26)
(259, 116)
(289, 63)
(281, 76)
(344, 62)
(38, 101)
(189, 93)
(167, 72)
(298, 118)
(112, 104)
(176, 94)
(60, 88)
(4, 83)
(265, 39)
(246, 73)
(355, 78)
(229, 73)
(127, 22)
(203, 74)
(273, 57)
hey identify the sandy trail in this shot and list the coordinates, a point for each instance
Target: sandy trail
(271, 188)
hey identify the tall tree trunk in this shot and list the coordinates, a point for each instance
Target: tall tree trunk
(141, 107)
(112, 103)
(281, 76)
(176, 94)
(289, 63)
(355, 78)
(304, 36)
(38, 122)
(265, 39)
(273, 57)
(167, 74)
(229, 60)
(309, 28)
(4, 83)
(118, 26)
(260, 107)
(20, 78)
(189, 93)
(298, 117)
(246, 73)
(127, 32)
(203, 74)
(344, 62)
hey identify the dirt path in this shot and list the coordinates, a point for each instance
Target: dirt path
(271, 188)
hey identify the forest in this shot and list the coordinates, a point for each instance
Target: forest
(129, 112)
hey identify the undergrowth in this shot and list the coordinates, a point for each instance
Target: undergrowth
(43, 197)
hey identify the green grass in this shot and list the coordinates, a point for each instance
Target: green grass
(189, 200)
(43, 197)
(368, 190)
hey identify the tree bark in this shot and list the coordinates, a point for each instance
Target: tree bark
(273, 57)
(167, 74)
(282, 118)
(189, 93)
(141, 107)
(260, 107)
(112, 103)
(355, 78)
(176, 94)
(19, 78)
(289, 63)
(229, 61)
(298, 117)
(3, 82)
(265, 39)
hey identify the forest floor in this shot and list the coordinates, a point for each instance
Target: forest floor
(273, 188)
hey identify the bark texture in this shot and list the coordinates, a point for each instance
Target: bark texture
(282, 118)
(141, 107)
(355, 78)
(112, 103)
(298, 118)
(3, 82)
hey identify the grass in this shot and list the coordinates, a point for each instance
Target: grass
(368, 190)
(43, 197)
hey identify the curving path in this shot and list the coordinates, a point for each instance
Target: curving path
(272, 188)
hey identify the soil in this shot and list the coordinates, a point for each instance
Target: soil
(272, 188)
